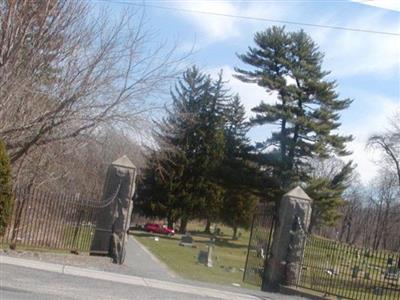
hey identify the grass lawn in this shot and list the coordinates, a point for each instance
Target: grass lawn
(78, 238)
(6, 246)
(228, 256)
(320, 256)
(68, 238)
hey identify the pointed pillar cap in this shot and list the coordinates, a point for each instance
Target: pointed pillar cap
(124, 162)
(298, 193)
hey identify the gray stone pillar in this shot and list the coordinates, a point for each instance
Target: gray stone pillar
(113, 218)
(283, 266)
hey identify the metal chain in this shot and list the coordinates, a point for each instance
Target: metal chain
(107, 201)
(301, 228)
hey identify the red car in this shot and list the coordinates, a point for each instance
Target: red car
(157, 228)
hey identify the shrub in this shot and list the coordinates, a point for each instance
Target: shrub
(6, 199)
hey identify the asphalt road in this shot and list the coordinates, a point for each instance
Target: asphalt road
(22, 283)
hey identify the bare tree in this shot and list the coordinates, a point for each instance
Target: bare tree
(66, 72)
(389, 143)
(351, 211)
(329, 178)
(78, 165)
(370, 215)
(383, 200)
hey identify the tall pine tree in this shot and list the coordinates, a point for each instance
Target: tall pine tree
(211, 150)
(239, 175)
(307, 107)
(181, 176)
(326, 189)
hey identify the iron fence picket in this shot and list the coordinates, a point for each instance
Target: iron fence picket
(51, 217)
(44, 219)
(60, 230)
(259, 247)
(29, 217)
(46, 225)
(64, 204)
(331, 268)
(38, 208)
(69, 222)
(40, 217)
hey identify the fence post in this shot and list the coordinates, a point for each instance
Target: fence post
(113, 219)
(283, 266)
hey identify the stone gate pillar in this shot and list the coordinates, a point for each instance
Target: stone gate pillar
(113, 218)
(283, 267)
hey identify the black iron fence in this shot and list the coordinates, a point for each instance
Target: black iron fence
(350, 272)
(260, 243)
(43, 219)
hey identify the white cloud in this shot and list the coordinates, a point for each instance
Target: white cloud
(365, 159)
(219, 27)
(214, 27)
(375, 121)
(386, 4)
(349, 53)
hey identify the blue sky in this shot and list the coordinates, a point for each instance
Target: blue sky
(365, 65)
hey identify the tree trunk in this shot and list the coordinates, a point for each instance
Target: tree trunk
(208, 225)
(234, 236)
(182, 227)
(170, 222)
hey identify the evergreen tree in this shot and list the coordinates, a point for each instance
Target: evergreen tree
(307, 107)
(236, 128)
(211, 151)
(239, 175)
(156, 194)
(6, 199)
(182, 182)
(326, 192)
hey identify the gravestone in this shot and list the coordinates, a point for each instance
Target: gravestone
(209, 253)
(113, 219)
(354, 272)
(392, 273)
(202, 257)
(377, 291)
(230, 269)
(186, 240)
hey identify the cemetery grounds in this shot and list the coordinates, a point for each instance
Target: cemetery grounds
(229, 256)
(328, 267)
(335, 268)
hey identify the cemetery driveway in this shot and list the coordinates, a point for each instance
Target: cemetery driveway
(142, 263)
